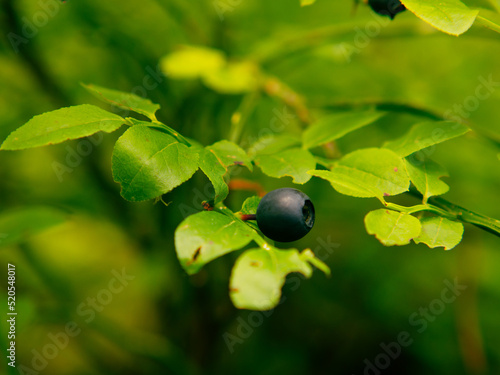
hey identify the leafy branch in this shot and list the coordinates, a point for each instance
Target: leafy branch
(151, 159)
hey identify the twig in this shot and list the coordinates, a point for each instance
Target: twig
(486, 223)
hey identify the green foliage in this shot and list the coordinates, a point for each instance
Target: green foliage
(273, 77)
(150, 159)
(62, 125)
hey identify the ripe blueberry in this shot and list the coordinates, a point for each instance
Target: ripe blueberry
(285, 215)
(387, 7)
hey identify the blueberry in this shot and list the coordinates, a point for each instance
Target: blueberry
(285, 215)
(387, 7)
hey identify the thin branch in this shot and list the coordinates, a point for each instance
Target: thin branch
(486, 223)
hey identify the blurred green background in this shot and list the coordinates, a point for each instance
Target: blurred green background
(163, 321)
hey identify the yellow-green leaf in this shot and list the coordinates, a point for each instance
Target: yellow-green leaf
(391, 227)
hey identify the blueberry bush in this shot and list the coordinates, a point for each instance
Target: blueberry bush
(243, 115)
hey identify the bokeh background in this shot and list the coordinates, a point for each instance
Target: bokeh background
(163, 321)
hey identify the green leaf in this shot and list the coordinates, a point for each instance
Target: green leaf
(304, 3)
(365, 173)
(234, 78)
(425, 175)
(207, 235)
(124, 100)
(293, 162)
(335, 126)
(424, 135)
(192, 62)
(391, 227)
(273, 144)
(250, 205)
(148, 163)
(258, 276)
(440, 232)
(18, 224)
(215, 161)
(450, 16)
(62, 125)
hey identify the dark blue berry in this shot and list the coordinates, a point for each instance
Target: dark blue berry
(387, 7)
(285, 215)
